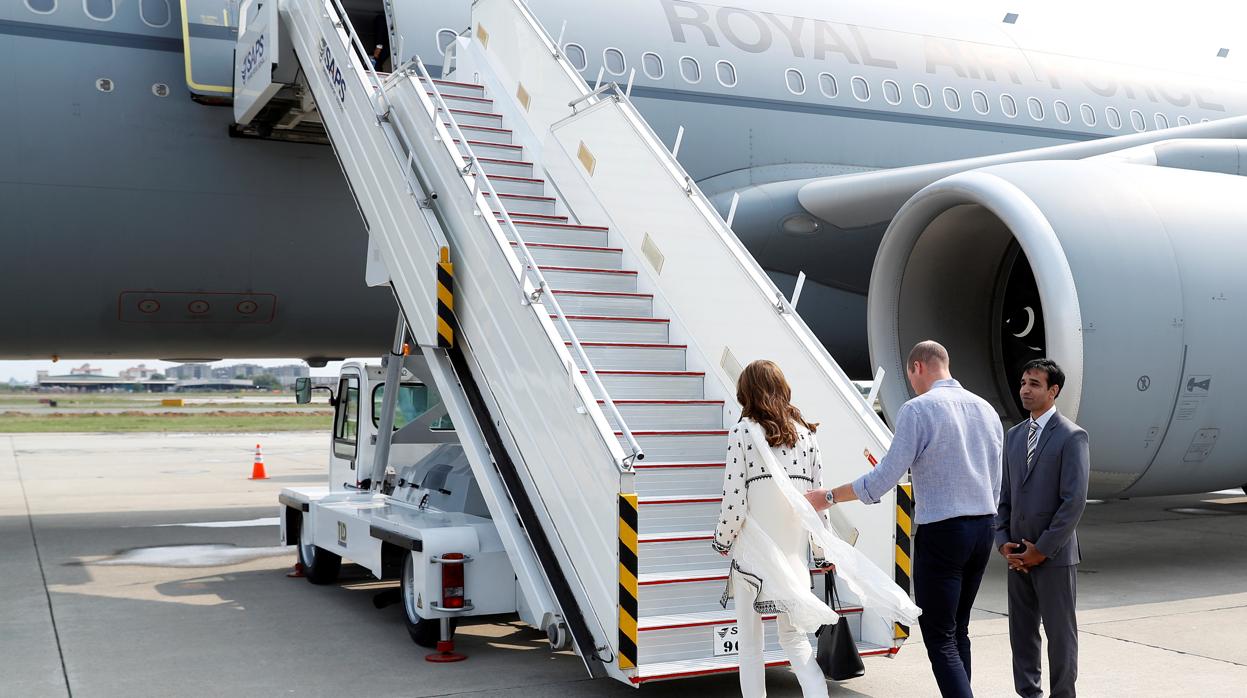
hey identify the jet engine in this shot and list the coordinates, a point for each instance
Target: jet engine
(1132, 277)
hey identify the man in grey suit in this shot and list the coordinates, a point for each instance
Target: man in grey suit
(1042, 497)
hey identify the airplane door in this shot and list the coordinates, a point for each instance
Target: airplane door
(209, 32)
(424, 28)
(343, 459)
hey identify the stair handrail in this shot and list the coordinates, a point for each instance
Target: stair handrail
(542, 293)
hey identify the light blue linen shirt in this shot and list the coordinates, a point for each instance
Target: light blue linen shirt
(952, 440)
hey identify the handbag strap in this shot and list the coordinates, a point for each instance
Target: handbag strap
(829, 582)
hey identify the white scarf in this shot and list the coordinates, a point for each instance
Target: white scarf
(755, 550)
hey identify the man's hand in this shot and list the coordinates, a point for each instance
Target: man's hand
(818, 499)
(1028, 558)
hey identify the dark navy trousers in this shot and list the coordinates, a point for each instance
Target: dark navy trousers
(949, 559)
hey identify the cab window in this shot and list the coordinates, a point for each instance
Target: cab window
(414, 400)
(346, 421)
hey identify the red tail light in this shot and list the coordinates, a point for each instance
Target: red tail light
(452, 581)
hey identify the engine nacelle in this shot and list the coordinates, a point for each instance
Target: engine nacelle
(1133, 278)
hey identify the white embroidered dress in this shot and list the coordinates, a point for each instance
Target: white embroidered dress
(751, 497)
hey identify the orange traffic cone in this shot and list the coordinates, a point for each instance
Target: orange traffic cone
(257, 469)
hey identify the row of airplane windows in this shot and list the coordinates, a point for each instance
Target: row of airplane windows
(154, 13)
(615, 64)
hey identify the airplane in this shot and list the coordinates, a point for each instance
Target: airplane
(140, 221)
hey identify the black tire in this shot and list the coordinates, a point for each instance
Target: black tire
(319, 565)
(425, 632)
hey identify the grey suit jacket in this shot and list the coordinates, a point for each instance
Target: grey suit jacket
(1045, 505)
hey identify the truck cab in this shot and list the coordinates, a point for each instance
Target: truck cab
(425, 524)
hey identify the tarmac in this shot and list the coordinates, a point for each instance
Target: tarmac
(1162, 597)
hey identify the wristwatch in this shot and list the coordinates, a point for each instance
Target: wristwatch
(831, 497)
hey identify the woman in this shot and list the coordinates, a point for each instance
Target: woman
(757, 515)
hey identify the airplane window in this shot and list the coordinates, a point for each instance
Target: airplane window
(827, 83)
(1036, 108)
(922, 96)
(1162, 121)
(614, 60)
(1114, 118)
(952, 99)
(1137, 120)
(102, 10)
(1183, 121)
(796, 81)
(652, 64)
(43, 7)
(1062, 111)
(861, 89)
(892, 92)
(1088, 115)
(576, 56)
(726, 73)
(690, 69)
(1009, 106)
(154, 13)
(979, 99)
(445, 37)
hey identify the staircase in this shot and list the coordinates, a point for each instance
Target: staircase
(607, 368)
(682, 433)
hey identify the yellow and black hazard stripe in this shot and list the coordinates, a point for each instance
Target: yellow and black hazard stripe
(445, 301)
(904, 546)
(628, 604)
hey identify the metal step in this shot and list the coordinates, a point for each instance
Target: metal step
(476, 117)
(693, 635)
(643, 357)
(466, 102)
(508, 168)
(625, 385)
(690, 591)
(677, 551)
(485, 134)
(674, 446)
(561, 233)
(655, 477)
(671, 514)
(515, 203)
(521, 216)
(579, 279)
(671, 414)
(708, 666)
(459, 89)
(597, 328)
(498, 151)
(606, 304)
(575, 255)
(506, 184)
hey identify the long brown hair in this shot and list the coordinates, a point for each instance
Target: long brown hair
(765, 397)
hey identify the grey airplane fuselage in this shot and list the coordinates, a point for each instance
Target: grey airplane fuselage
(111, 184)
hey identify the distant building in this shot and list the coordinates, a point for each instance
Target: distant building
(138, 373)
(86, 370)
(185, 372)
(90, 380)
(285, 375)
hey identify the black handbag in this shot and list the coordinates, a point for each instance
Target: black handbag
(837, 651)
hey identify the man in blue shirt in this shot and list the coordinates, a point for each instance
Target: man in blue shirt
(951, 440)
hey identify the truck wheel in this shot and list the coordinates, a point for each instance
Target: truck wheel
(319, 565)
(424, 631)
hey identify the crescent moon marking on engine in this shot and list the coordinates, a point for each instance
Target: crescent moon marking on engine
(1030, 323)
